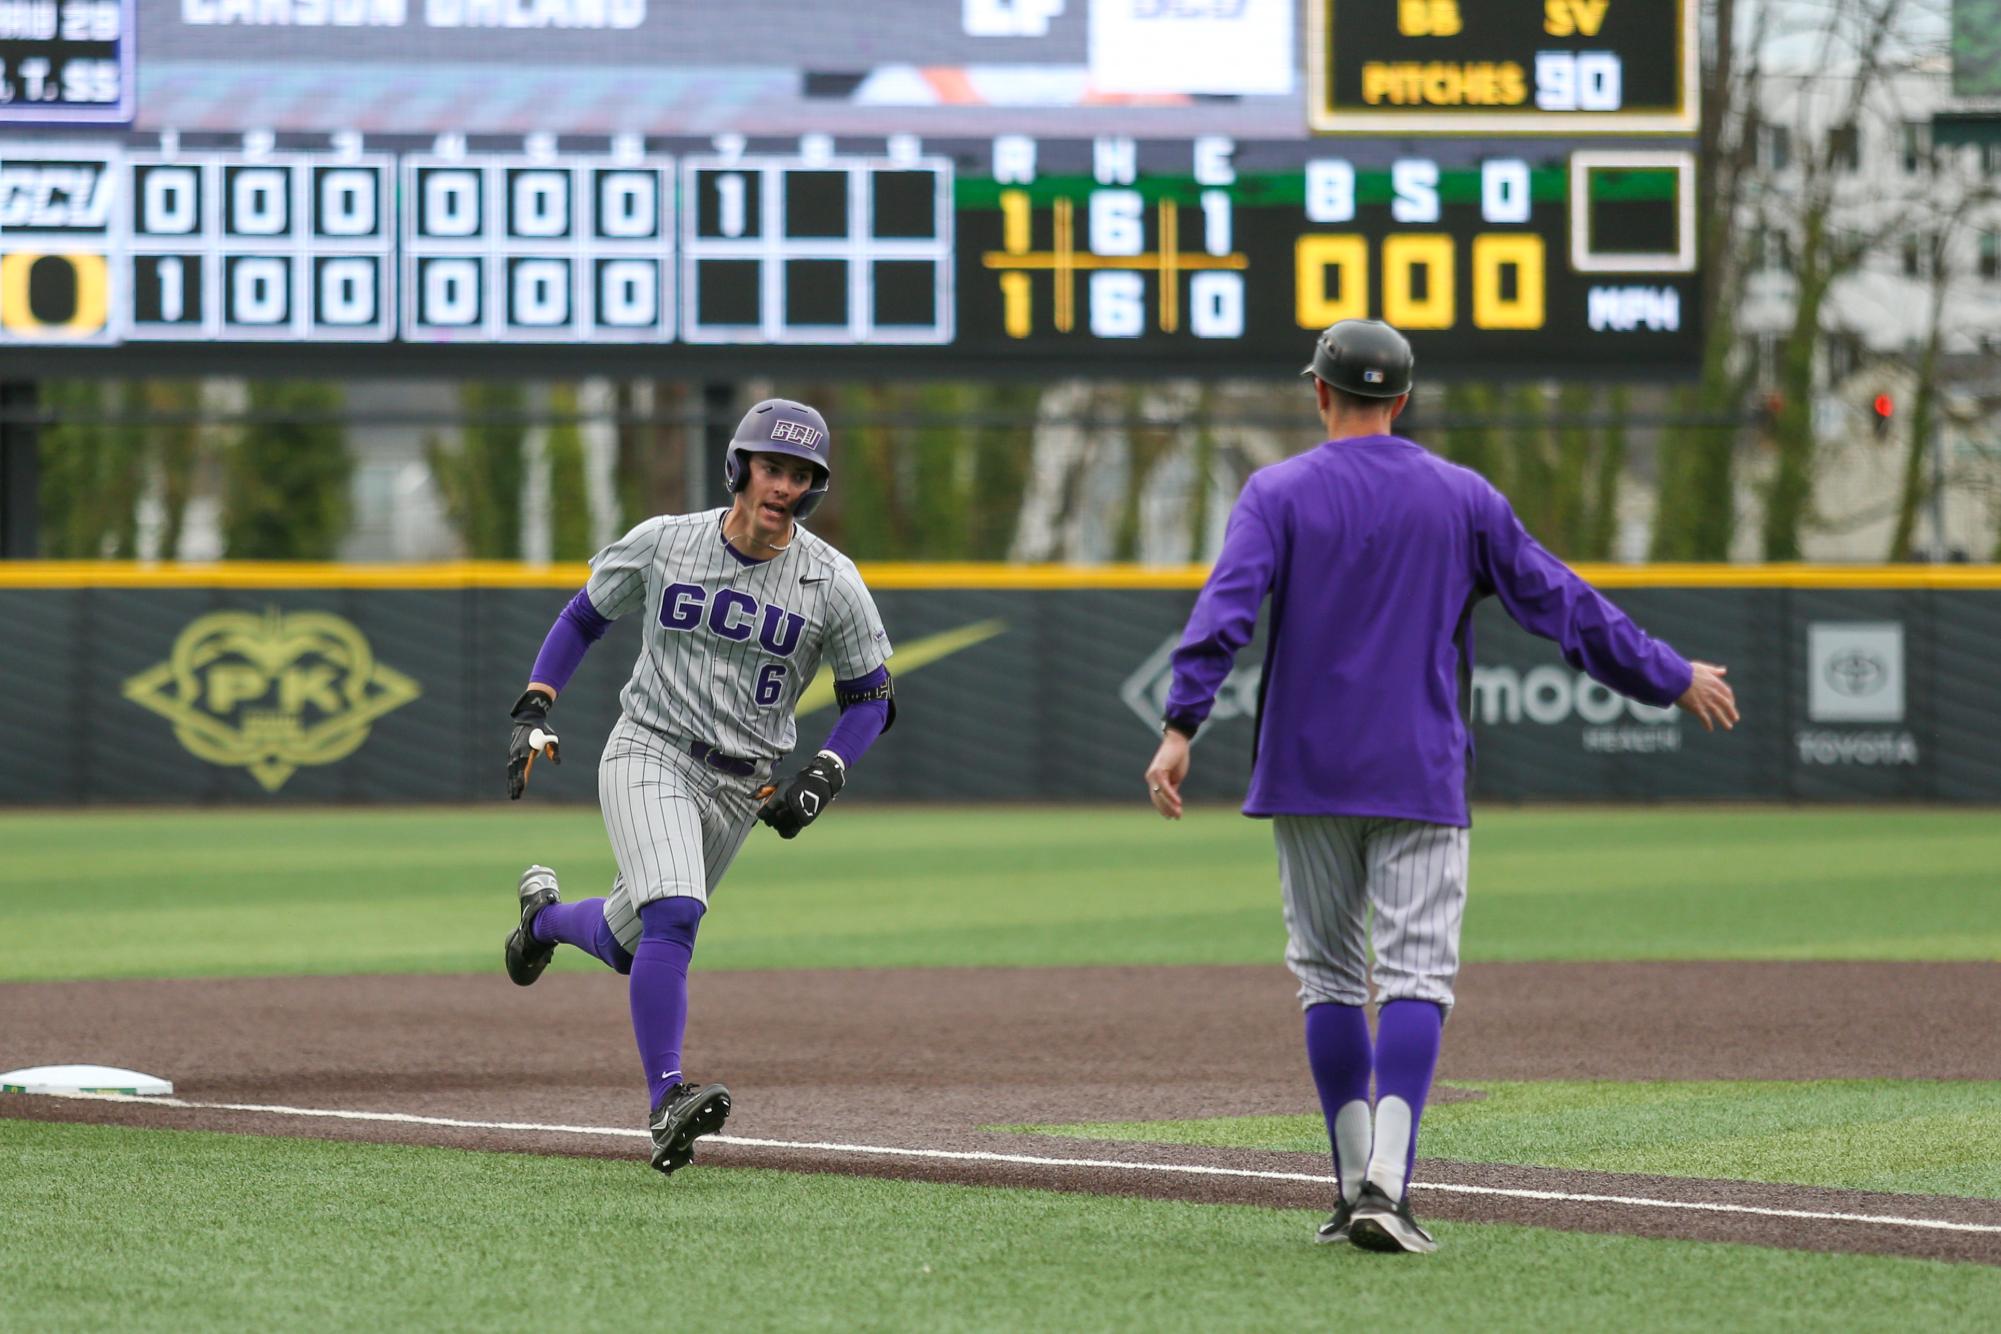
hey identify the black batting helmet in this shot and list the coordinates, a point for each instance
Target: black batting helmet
(1366, 358)
(781, 426)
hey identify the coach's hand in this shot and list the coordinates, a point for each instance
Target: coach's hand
(1167, 773)
(801, 799)
(1710, 698)
(531, 737)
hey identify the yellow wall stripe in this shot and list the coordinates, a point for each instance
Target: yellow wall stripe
(943, 575)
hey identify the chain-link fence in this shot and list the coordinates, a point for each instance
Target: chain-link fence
(1074, 471)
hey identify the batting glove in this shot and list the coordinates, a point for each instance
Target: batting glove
(531, 737)
(802, 798)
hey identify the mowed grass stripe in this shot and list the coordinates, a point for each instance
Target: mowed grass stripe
(1925, 1137)
(178, 1229)
(204, 892)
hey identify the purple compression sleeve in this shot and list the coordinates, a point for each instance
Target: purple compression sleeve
(859, 724)
(1341, 1056)
(659, 987)
(569, 638)
(581, 924)
(1407, 1035)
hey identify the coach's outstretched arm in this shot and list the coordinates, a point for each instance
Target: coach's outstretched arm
(576, 629)
(1547, 598)
(1225, 614)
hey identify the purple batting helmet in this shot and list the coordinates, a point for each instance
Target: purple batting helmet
(781, 426)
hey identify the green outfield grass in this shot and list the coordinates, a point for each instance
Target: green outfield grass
(201, 892)
(110, 1228)
(1927, 1137)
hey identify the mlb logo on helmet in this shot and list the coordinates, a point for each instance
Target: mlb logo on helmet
(795, 433)
(1372, 377)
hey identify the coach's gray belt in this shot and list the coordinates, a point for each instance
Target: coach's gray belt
(715, 759)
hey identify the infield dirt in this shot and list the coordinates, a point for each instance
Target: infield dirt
(925, 1058)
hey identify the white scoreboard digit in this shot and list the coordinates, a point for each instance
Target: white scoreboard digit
(250, 248)
(270, 244)
(812, 249)
(517, 248)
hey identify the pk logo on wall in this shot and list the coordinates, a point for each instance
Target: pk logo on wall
(271, 692)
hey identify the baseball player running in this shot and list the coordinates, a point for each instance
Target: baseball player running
(742, 604)
(1374, 552)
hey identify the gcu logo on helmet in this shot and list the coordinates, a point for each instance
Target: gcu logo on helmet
(795, 433)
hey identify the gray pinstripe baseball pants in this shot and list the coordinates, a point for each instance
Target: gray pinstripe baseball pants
(1333, 868)
(675, 823)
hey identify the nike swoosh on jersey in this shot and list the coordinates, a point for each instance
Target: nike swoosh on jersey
(814, 578)
(911, 657)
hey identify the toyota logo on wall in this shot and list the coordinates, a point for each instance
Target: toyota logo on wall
(1855, 672)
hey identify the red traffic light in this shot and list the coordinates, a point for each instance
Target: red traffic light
(1884, 406)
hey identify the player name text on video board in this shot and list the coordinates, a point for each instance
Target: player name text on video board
(66, 62)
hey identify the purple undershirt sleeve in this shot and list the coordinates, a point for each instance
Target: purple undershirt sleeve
(859, 724)
(1547, 598)
(576, 629)
(1225, 614)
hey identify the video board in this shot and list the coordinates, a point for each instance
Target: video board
(66, 62)
(443, 223)
(1563, 67)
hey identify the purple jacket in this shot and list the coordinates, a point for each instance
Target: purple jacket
(1374, 552)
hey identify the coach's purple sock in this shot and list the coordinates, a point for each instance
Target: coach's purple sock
(1407, 1034)
(581, 924)
(1337, 1047)
(660, 987)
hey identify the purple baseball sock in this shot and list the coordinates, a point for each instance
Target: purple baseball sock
(1337, 1048)
(581, 924)
(1407, 1033)
(660, 988)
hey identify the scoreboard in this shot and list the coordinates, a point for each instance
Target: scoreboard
(453, 232)
(1503, 66)
(1197, 254)
(66, 61)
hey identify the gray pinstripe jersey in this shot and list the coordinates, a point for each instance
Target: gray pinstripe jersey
(727, 648)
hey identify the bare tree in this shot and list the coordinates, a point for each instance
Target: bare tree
(1955, 205)
(1697, 497)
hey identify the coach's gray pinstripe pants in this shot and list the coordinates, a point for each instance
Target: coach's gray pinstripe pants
(1333, 868)
(675, 823)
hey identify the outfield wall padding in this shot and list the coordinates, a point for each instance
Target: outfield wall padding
(273, 694)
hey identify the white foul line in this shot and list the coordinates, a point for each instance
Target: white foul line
(1033, 1160)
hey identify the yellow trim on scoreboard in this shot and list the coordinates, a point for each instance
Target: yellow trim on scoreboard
(905, 575)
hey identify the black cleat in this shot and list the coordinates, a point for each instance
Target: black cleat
(685, 1112)
(1381, 1224)
(526, 956)
(1336, 1227)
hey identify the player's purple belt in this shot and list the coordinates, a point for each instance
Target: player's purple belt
(715, 759)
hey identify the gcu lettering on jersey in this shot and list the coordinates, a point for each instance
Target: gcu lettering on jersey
(732, 615)
(54, 196)
(795, 433)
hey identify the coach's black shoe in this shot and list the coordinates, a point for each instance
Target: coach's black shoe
(1382, 1224)
(526, 956)
(1336, 1227)
(685, 1112)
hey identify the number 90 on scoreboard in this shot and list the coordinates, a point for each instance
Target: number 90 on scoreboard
(1559, 67)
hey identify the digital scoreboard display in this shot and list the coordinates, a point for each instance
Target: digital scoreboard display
(1503, 66)
(331, 206)
(65, 61)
